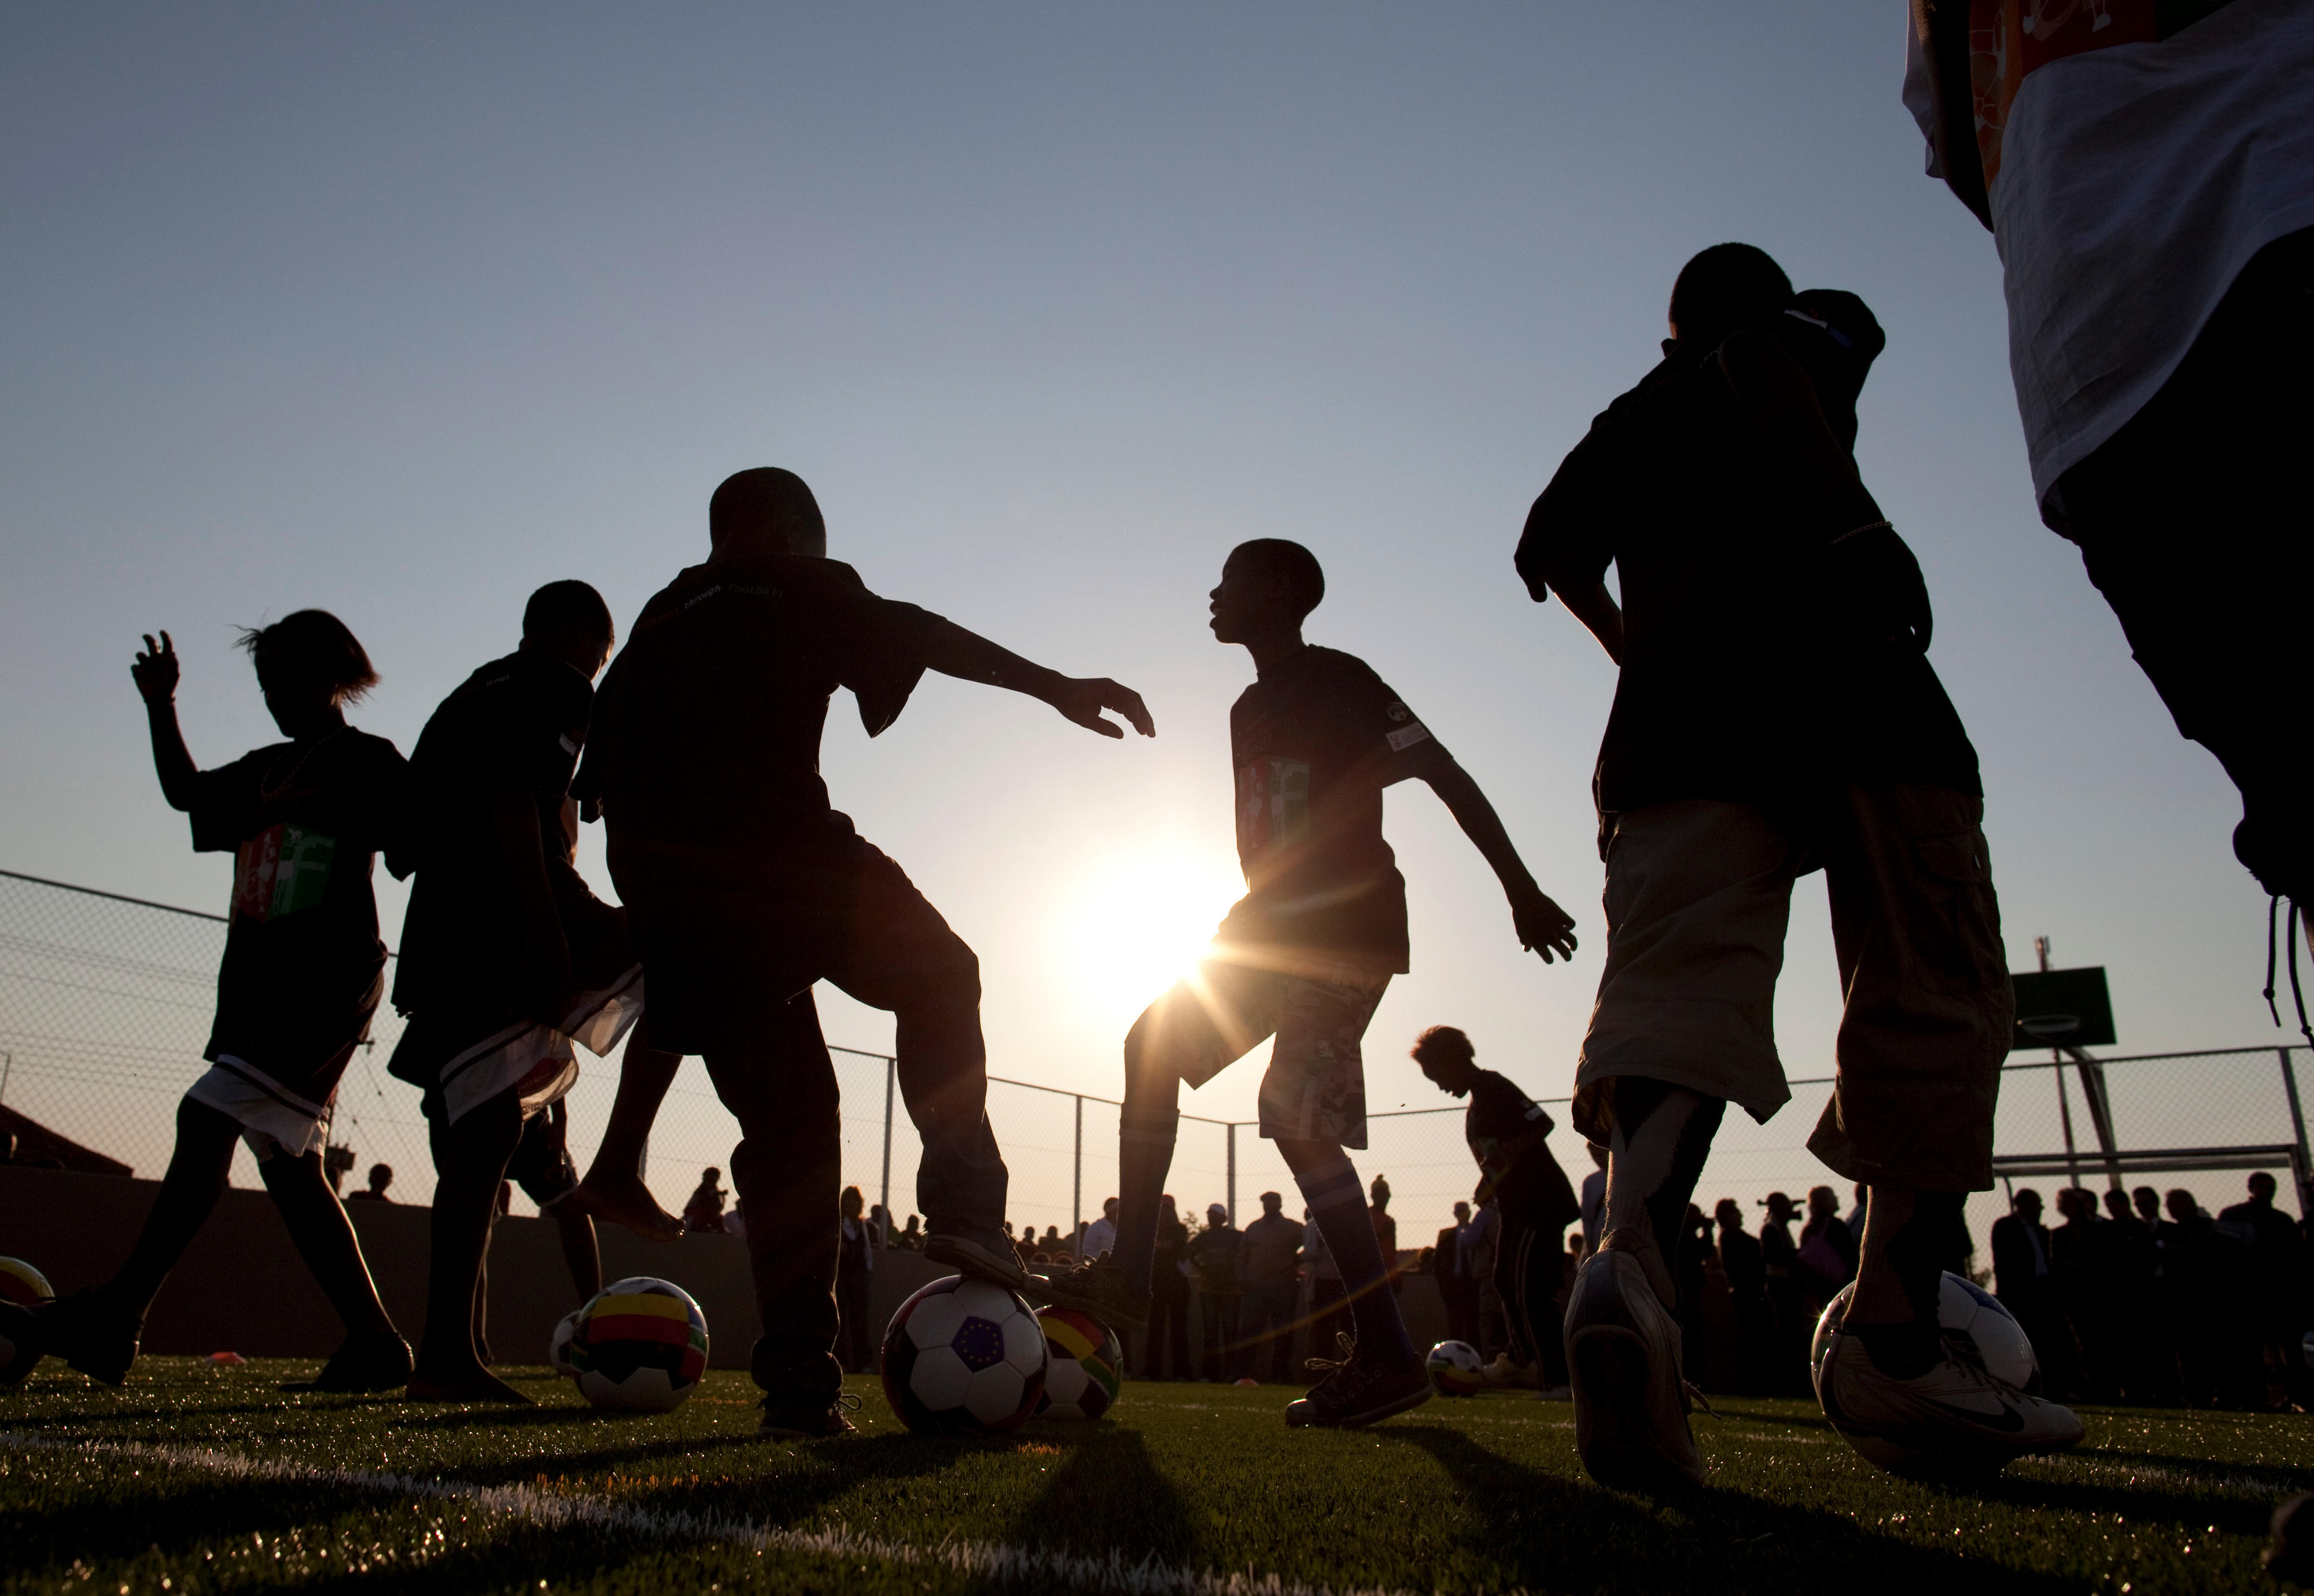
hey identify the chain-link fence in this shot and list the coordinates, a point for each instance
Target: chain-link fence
(105, 1004)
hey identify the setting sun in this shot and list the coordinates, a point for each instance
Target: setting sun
(1138, 921)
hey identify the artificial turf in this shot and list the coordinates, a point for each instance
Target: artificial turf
(194, 1478)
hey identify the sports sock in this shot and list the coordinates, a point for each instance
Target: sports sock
(1338, 1204)
(1659, 1136)
(1144, 1152)
(1919, 1254)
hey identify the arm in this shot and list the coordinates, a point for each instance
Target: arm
(1592, 604)
(545, 955)
(1543, 927)
(1780, 401)
(155, 675)
(953, 651)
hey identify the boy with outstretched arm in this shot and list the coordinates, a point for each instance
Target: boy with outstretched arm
(1304, 956)
(302, 974)
(1776, 714)
(509, 964)
(746, 887)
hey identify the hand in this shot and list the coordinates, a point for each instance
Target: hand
(1083, 697)
(156, 671)
(1543, 927)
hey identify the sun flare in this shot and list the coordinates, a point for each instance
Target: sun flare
(1137, 922)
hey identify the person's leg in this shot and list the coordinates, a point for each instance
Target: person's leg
(470, 1161)
(1329, 1183)
(582, 1252)
(780, 1087)
(614, 1187)
(325, 1240)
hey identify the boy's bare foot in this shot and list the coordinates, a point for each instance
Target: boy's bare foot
(624, 1199)
(476, 1384)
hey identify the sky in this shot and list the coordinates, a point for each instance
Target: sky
(403, 311)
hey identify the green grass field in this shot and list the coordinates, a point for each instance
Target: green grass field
(194, 1479)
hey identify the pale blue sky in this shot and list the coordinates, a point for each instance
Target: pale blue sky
(402, 310)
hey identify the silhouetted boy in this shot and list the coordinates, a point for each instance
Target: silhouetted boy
(1776, 714)
(509, 965)
(746, 887)
(302, 974)
(1305, 956)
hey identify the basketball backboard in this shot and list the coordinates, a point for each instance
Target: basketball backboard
(2063, 1008)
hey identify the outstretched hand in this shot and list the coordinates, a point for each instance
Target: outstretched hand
(155, 670)
(1543, 927)
(1083, 697)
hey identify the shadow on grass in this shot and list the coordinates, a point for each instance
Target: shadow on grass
(1106, 1495)
(1547, 1532)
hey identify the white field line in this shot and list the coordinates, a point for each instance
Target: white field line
(986, 1560)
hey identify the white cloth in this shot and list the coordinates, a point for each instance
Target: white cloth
(1099, 1237)
(2134, 184)
(541, 1060)
(271, 1115)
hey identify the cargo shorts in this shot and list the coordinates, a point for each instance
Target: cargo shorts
(1699, 897)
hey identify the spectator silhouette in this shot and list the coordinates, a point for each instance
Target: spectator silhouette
(1269, 1260)
(2082, 1263)
(910, 1238)
(1213, 1254)
(860, 1239)
(1744, 1262)
(1166, 1355)
(1786, 1297)
(703, 1213)
(1458, 1289)
(2024, 1277)
(380, 1177)
(2275, 1273)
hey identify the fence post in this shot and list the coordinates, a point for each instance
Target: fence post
(1232, 1172)
(1076, 1187)
(2296, 1118)
(891, 1074)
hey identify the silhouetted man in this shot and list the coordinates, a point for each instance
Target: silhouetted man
(1458, 1289)
(2277, 1266)
(745, 887)
(381, 1176)
(1780, 1257)
(1745, 1263)
(1776, 713)
(2024, 1277)
(2082, 1263)
(1268, 1267)
(2149, 172)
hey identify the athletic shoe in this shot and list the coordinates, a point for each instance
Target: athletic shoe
(991, 1260)
(1100, 1289)
(91, 1334)
(809, 1419)
(1630, 1403)
(1955, 1414)
(1508, 1372)
(1359, 1392)
(377, 1361)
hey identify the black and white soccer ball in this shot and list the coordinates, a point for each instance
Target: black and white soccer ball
(23, 1288)
(964, 1356)
(1977, 1329)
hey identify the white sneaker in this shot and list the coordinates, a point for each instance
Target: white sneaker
(1508, 1372)
(1956, 1416)
(1630, 1403)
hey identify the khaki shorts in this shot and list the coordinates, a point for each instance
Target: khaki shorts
(1698, 896)
(1315, 1089)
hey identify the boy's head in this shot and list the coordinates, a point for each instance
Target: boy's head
(308, 659)
(766, 511)
(1447, 1058)
(1722, 288)
(1267, 585)
(568, 621)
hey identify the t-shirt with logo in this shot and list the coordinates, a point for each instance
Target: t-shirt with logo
(303, 965)
(1531, 1184)
(517, 725)
(1314, 741)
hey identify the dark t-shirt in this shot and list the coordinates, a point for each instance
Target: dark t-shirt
(1530, 1185)
(517, 725)
(707, 727)
(1752, 671)
(303, 962)
(1314, 742)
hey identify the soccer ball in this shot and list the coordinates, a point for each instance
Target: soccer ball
(558, 1346)
(1085, 1363)
(24, 1286)
(639, 1347)
(1977, 1329)
(963, 1357)
(1454, 1369)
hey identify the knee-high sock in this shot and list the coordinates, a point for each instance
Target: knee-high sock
(1660, 1137)
(1144, 1153)
(1337, 1203)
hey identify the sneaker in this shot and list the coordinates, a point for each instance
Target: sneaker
(379, 1361)
(990, 1261)
(1630, 1403)
(809, 1419)
(1955, 1416)
(91, 1334)
(1507, 1371)
(1100, 1289)
(1359, 1391)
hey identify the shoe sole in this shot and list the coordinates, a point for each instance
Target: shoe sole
(1610, 1379)
(1373, 1415)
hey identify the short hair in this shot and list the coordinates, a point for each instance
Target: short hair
(1723, 287)
(1442, 1042)
(377, 1169)
(1293, 567)
(565, 608)
(1271, 1197)
(2264, 1179)
(762, 499)
(312, 645)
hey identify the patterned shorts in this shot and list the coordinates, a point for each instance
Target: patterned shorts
(1316, 1088)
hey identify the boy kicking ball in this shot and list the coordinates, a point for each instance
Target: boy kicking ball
(1306, 958)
